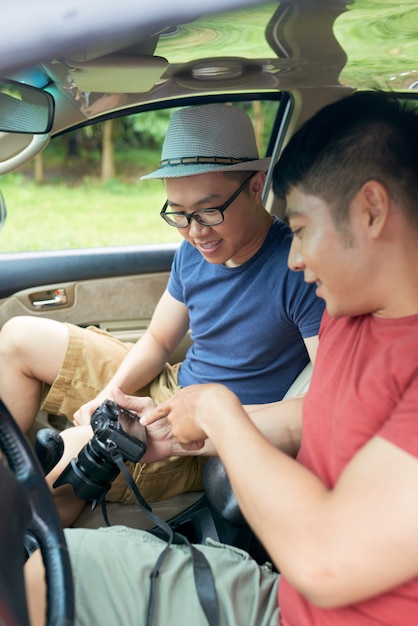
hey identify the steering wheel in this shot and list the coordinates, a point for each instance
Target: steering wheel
(27, 511)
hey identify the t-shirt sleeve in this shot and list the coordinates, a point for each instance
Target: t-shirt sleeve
(401, 428)
(174, 286)
(304, 308)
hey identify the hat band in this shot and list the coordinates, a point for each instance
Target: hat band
(205, 159)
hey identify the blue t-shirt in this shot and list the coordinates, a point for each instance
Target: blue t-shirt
(246, 322)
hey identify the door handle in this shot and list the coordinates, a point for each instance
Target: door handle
(49, 298)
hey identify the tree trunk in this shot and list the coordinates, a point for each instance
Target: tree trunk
(258, 124)
(108, 163)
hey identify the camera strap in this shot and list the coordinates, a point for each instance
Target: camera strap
(203, 576)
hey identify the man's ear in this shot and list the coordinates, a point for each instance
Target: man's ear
(375, 205)
(257, 183)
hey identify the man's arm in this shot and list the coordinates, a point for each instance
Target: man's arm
(146, 359)
(311, 344)
(167, 327)
(336, 546)
(280, 422)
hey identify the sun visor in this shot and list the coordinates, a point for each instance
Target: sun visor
(118, 73)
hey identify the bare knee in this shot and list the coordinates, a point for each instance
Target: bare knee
(13, 333)
(33, 346)
(19, 333)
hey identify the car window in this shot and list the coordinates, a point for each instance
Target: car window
(84, 190)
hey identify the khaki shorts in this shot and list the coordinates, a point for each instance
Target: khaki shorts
(91, 359)
(119, 560)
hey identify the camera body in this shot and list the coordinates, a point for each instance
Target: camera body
(93, 471)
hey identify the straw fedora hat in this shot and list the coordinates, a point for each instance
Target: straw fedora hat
(208, 138)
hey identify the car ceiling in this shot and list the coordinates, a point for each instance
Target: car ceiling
(133, 53)
(51, 29)
(165, 51)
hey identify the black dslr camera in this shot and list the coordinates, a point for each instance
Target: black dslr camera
(93, 471)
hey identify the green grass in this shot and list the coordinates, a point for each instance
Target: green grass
(63, 216)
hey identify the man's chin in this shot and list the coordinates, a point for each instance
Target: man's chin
(334, 309)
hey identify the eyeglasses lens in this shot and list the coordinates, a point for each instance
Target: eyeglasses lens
(206, 217)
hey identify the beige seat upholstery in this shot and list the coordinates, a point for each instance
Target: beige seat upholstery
(130, 515)
(300, 384)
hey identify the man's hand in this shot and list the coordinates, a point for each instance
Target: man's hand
(160, 441)
(82, 417)
(140, 405)
(191, 411)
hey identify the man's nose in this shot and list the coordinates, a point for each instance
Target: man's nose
(295, 259)
(196, 228)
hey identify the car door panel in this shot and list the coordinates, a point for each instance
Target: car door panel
(85, 302)
(115, 289)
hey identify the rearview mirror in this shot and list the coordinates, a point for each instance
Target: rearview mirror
(25, 109)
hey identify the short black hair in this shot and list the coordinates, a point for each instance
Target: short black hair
(367, 135)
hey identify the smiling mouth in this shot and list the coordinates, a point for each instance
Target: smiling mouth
(208, 246)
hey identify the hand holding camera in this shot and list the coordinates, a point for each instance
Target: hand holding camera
(93, 471)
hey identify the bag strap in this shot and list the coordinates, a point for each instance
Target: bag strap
(203, 575)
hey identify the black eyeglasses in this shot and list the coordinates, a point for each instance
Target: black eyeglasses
(205, 217)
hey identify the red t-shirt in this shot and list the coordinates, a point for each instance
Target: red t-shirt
(365, 383)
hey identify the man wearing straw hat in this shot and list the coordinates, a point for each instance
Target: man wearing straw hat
(254, 323)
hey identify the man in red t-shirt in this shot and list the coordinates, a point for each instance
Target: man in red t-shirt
(340, 521)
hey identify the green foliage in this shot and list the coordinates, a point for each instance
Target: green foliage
(58, 216)
(151, 128)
